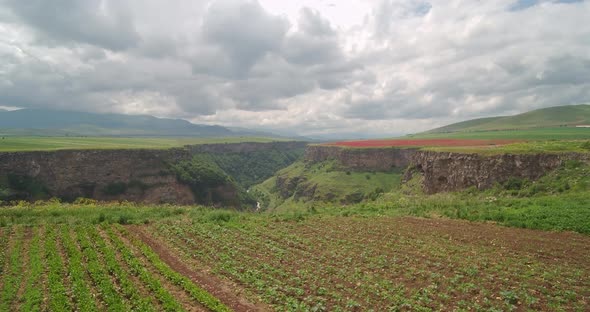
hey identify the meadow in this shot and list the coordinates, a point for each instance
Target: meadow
(548, 133)
(37, 143)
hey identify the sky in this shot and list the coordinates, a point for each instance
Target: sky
(324, 67)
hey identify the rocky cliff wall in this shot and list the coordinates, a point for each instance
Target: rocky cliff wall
(362, 159)
(445, 171)
(453, 171)
(134, 175)
(139, 175)
(245, 147)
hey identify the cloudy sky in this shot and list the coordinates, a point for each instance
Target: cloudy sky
(381, 68)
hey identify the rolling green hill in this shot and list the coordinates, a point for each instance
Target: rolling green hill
(551, 117)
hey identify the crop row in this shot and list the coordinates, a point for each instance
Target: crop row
(89, 268)
(194, 291)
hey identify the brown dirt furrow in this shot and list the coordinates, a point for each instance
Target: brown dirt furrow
(177, 292)
(25, 257)
(228, 294)
(141, 287)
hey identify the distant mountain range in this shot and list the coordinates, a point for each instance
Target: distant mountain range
(62, 123)
(558, 116)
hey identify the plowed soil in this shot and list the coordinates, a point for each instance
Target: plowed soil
(380, 263)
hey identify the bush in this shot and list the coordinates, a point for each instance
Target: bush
(220, 216)
(514, 184)
(124, 219)
(29, 186)
(85, 201)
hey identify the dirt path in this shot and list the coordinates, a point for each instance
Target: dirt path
(222, 290)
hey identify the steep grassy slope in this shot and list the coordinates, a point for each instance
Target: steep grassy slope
(322, 182)
(541, 118)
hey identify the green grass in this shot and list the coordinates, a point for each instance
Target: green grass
(558, 201)
(528, 147)
(541, 118)
(324, 182)
(12, 144)
(561, 133)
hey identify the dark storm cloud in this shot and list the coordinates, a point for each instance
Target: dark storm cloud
(242, 32)
(101, 23)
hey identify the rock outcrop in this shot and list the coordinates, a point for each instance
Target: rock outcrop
(454, 171)
(244, 147)
(138, 175)
(444, 171)
(361, 159)
(133, 175)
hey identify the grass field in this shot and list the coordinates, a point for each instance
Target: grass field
(554, 140)
(533, 146)
(560, 133)
(10, 144)
(557, 116)
(166, 258)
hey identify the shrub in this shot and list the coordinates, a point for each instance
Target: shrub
(514, 184)
(220, 216)
(124, 219)
(85, 201)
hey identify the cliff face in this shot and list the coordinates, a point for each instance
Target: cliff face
(139, 175)
(366, 159)
(453, 171)
(445, 171)
(245, 147)
(134, 175)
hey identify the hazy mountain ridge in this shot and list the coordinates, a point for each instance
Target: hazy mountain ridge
(60, 123)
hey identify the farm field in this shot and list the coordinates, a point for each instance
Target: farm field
(11, 144)
(560, 133)
(86, 268)
(421, 143)
(482, 146)
(94, 256)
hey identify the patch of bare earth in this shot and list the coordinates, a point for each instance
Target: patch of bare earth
(229, 294)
